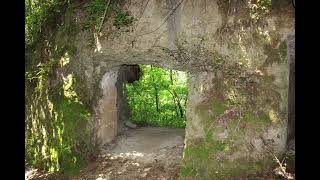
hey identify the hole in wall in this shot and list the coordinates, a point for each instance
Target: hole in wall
(157, 96)
(151, 103)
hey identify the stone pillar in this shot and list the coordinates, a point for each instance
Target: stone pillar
(107, 108)
(200, 88)
(233, 127)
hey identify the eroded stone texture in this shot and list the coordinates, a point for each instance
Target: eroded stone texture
(200, 91)
(237, 60)
(106, 125)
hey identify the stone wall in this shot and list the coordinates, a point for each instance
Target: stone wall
(237, 60)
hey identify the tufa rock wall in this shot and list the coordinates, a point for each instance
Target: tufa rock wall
(236, 55)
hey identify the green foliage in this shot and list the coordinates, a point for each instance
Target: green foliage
(42, 70)
(95, 9)
(259, 9)
(156, 83)
(96, 6)
(76, 144)
(39, 13)
(56, 138)
(218, 107)
(122, 19)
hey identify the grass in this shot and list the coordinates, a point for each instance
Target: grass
(122, 19)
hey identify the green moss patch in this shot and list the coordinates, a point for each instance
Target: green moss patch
(218, 107)
(208, 161)
(261, 120)
(56, 136)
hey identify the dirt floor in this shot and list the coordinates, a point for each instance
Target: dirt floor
(143, 153)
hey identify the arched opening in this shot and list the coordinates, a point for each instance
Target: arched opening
(158, 98)
(237, 100)
(143, 118)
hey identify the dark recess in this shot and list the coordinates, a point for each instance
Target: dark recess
(132, 73)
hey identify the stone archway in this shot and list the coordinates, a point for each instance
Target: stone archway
(237, 58)
(238, 88)
(111, 109)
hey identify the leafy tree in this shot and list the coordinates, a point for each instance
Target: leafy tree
(159, 98)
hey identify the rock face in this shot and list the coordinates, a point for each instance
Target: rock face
(291, 100)
(237, 61)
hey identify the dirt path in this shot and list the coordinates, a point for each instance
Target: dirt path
(143, 153)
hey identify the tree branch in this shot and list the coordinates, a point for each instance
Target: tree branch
(104, 15)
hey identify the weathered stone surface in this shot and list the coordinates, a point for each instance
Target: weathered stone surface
(237, 61)
(107, 117)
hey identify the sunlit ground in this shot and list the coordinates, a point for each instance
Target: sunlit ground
(36, 174)
(146, 152)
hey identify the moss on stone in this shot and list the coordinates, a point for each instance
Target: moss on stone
(218, 107)
(217, 156)
(241, 167)
(210, 111)
(258, 121)
(54, 118)
(204, 114)
(203, 161)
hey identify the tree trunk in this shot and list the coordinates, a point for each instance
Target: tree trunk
(155, 90)
(175, 96)
(157, 98)
(175, 103)
(171, 79)
(180, 108)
